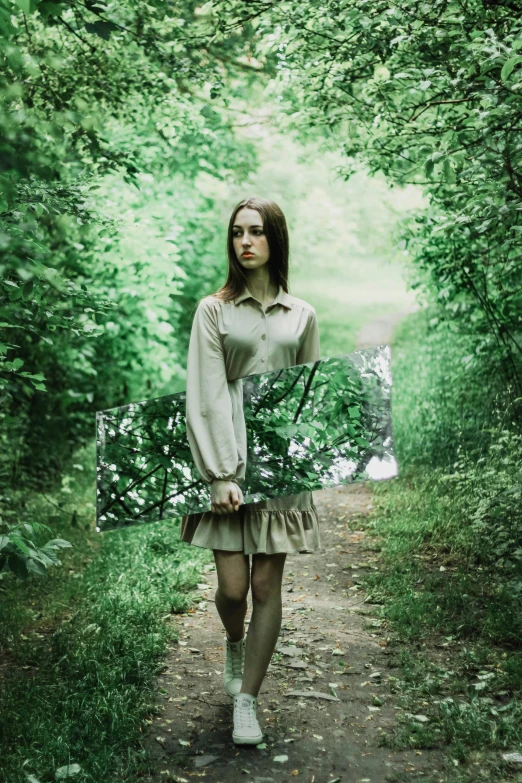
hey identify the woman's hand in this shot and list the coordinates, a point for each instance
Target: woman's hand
(225, 496)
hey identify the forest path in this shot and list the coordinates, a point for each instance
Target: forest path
(324, 707)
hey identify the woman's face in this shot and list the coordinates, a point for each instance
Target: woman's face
(248, 237)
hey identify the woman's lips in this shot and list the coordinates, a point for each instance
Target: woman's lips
(248, 255)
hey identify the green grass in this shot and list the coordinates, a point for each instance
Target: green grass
(81, 648)
(449, 580)
(433, 570)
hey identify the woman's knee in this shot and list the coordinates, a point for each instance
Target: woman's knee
(262, 590)
(233, 576)
(266, 577)
(233, 594)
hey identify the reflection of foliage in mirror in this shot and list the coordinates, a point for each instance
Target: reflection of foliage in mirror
(304, 419)
(308, 427)
(145, 450)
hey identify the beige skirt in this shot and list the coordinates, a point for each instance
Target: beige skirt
(284, 524)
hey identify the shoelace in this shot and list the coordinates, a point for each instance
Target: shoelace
(236, 659)
(246, 715)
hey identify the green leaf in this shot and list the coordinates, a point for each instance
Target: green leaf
(449, 174)
(24, 5)
(37, 567)
(101, 28)
(508, 66)
(47, 8)
(362, 442)
(288, 431)
(20, 543)
(17, 566)
(6, 26)
(57, 543)
(39, 527)
(47, 558)
(27, 289)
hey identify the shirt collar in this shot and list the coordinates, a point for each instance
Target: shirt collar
(281, 298)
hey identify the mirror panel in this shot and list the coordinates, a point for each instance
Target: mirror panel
(308, 427)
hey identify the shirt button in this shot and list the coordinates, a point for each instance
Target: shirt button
(262, 316)
(263, 336)
(263, 359)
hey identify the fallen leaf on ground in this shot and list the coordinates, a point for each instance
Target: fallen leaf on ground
(202, 761)
(290, 650)
(312, 694)
(67, 772)
(294, 665)
(516, 758)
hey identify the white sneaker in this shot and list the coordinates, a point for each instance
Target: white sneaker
(247, 730)
(235, 660)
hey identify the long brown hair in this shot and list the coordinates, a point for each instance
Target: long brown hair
(276, 230)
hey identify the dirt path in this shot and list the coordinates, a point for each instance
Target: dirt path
(327, 698)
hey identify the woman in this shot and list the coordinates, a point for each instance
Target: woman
(251, 325)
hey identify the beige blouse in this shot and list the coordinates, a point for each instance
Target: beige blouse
(230, 340)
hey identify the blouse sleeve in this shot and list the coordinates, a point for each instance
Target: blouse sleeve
(309, 350)
(209, 420)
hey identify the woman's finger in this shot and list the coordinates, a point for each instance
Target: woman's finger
(235, 495)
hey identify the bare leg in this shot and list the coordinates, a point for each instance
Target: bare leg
(265, 623)
(233, 570)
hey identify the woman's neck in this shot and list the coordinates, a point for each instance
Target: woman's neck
(262, 288)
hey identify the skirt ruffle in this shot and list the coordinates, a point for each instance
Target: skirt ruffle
(288, 524)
